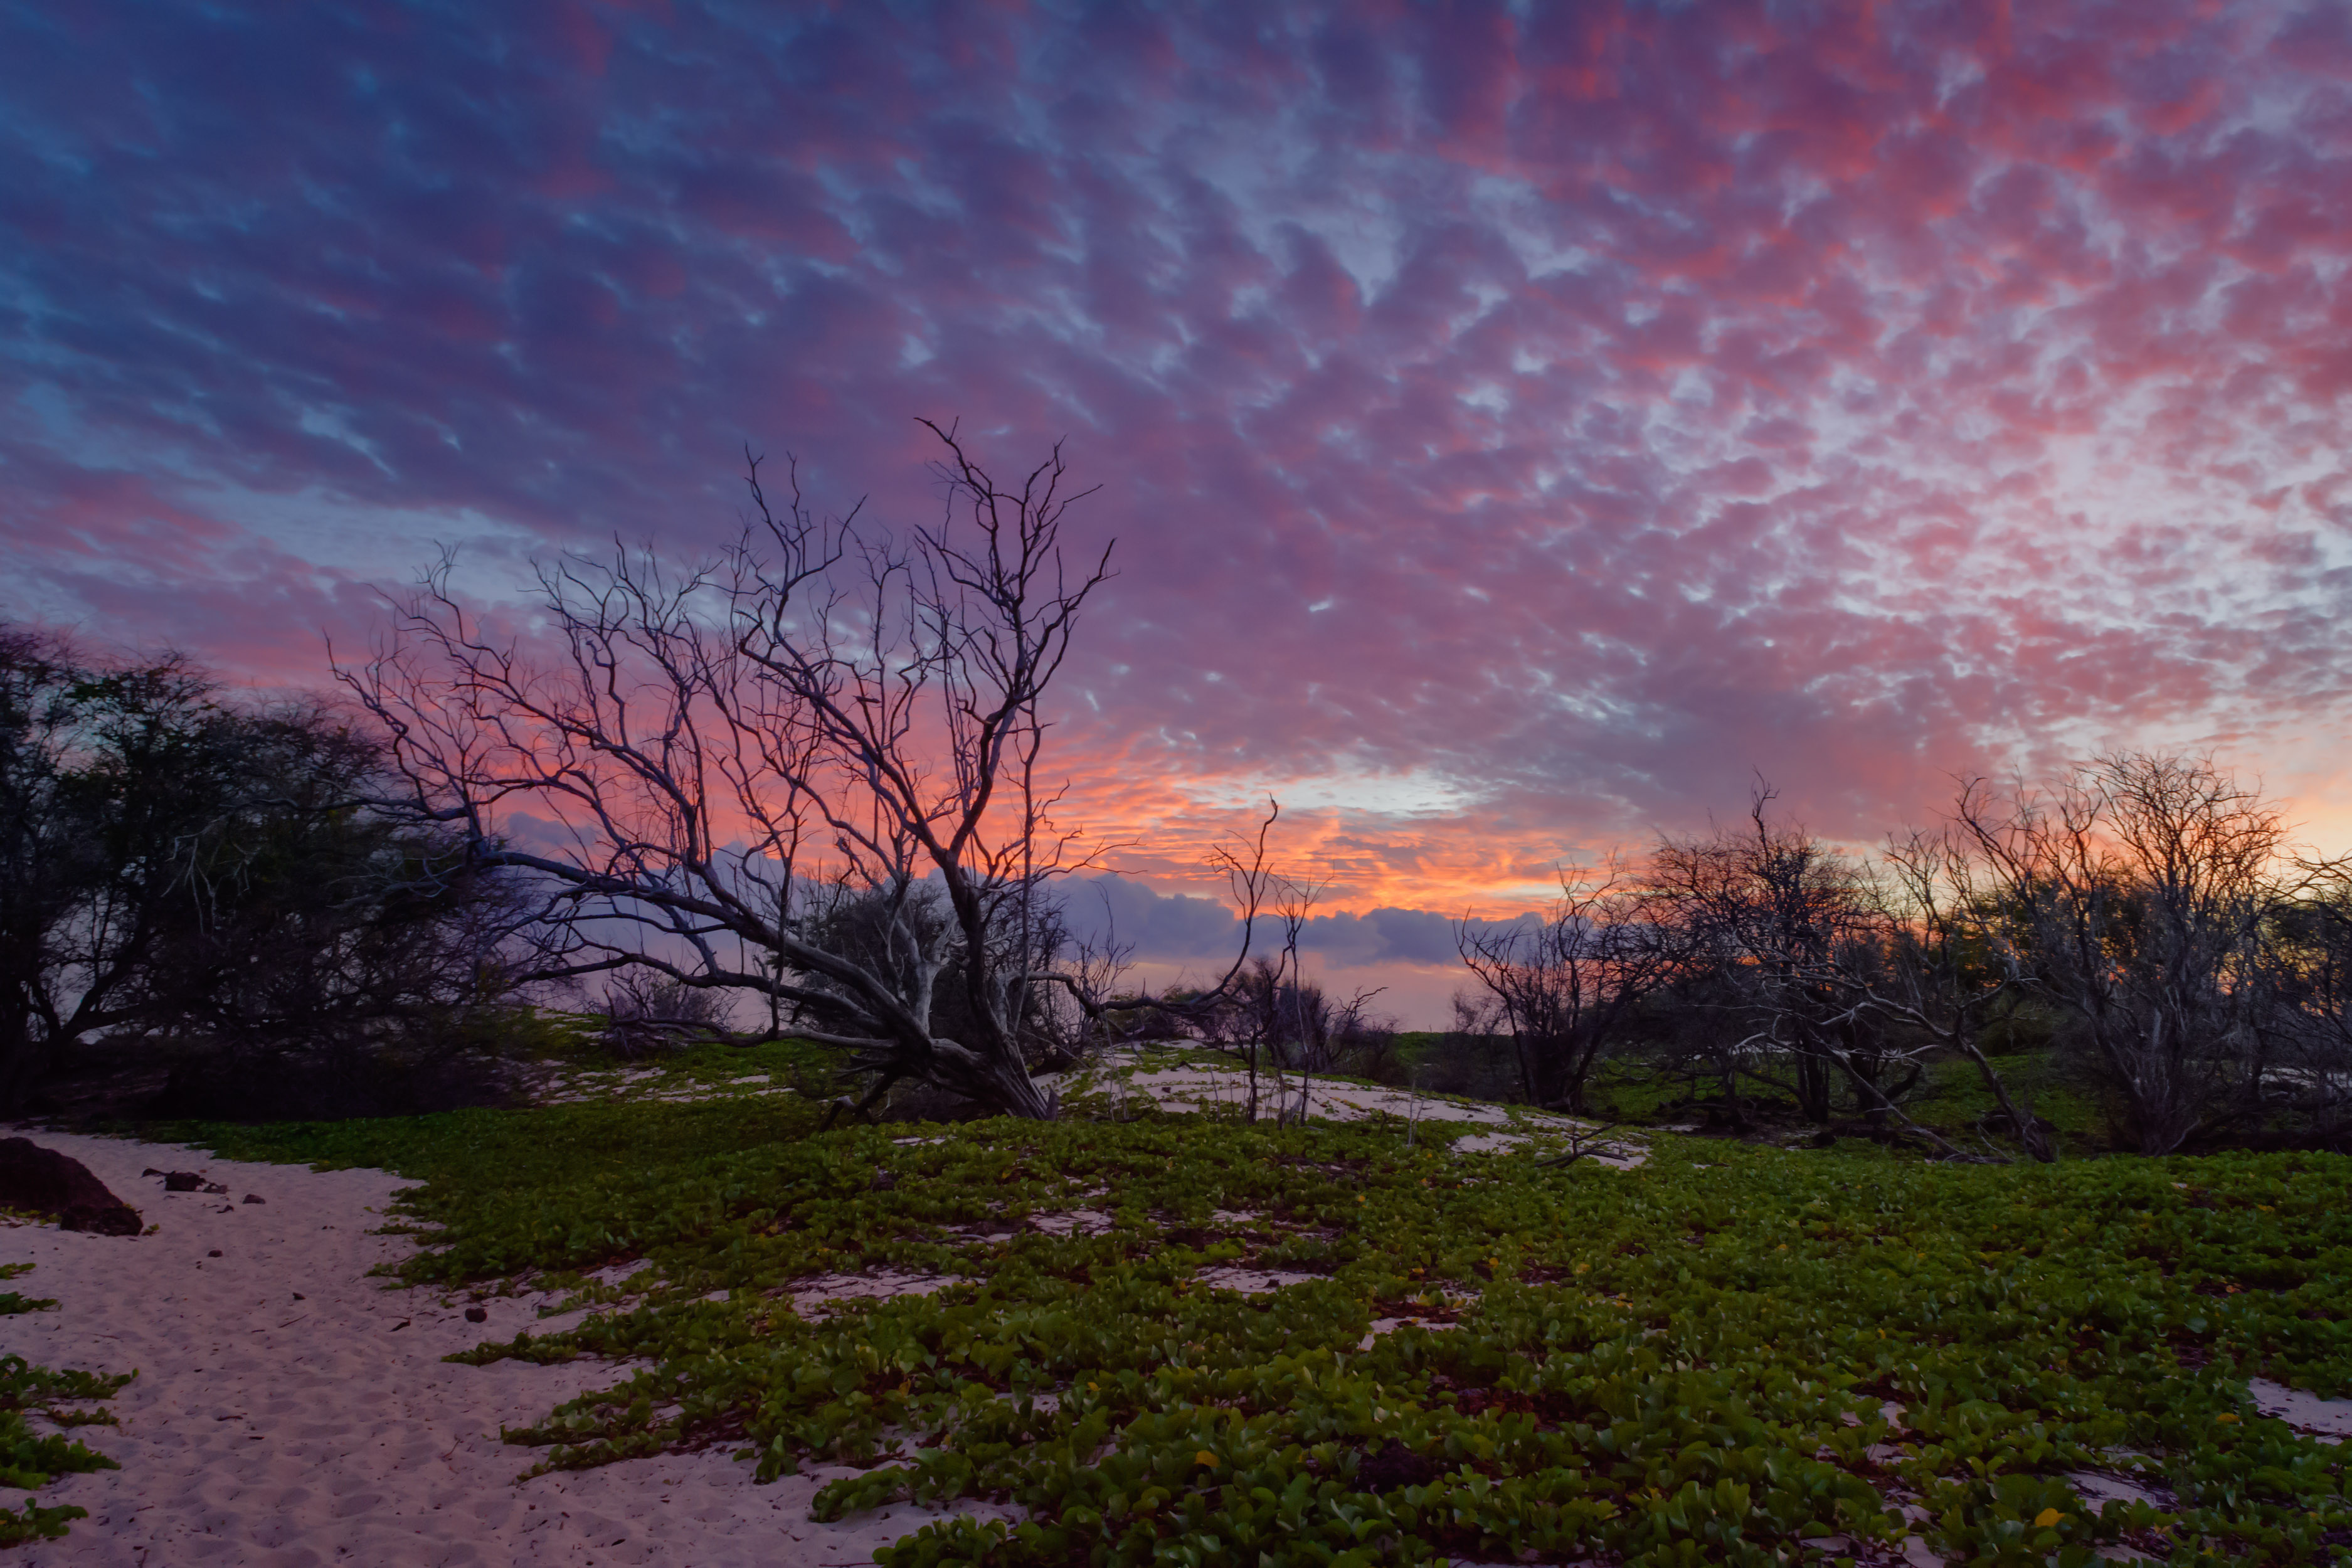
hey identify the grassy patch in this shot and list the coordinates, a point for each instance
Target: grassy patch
(1687, 1362)
(1954, 1101)
(13, 1302)
(30, 1459)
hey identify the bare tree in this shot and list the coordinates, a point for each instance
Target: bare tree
(643, 1011)
(1766, 922)
(1837, 971)
(2308, 958)
(1948, 965)
(1093, 970)
(1283, 1027)
(1566, 986)
(2139, 893)
(717, 759)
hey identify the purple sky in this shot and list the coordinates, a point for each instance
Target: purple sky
(1520, 423)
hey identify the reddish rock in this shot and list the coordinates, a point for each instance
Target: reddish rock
(48, 1182)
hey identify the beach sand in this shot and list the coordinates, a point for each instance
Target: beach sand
(268, 1429)
(1198, 1086)
(291, 1410)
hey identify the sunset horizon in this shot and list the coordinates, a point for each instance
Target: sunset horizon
(1522, 433)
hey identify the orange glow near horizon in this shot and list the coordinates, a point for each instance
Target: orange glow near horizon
(1518, 438)
(1460, 864)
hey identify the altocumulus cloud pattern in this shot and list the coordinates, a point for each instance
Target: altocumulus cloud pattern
(1519, 422)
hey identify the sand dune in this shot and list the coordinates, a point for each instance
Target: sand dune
(268, 1429)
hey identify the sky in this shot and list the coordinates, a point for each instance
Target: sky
(1522, 427)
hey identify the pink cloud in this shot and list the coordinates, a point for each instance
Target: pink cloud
(1580, 410)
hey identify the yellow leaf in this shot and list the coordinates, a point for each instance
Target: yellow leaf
(1205, 1457)
(2046, 1518)
(2225, 1419)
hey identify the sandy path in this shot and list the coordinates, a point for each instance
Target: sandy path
(267, 1430)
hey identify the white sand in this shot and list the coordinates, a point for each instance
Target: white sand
(816, 1297)
(1197, 1086)
(266, 1430)
(572, 1085)
(1255, 1281)
(2329, 1419)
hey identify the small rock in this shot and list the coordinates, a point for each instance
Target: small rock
(183, 1181)
(402, 1324)
(215, 1252)
(299, 1296)
(150, 1171)
(252, 1198)
(476, 1315)
(216, 1189)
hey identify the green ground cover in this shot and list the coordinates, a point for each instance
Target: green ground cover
(1688, 1363)
(1951, 1097)
(30, 1459)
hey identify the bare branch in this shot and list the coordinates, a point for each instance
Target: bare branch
(807, 769)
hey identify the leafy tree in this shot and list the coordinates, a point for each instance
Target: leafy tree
(107, 777)
(175, 867)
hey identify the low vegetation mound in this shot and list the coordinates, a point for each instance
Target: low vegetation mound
(30, 1456)
(1186, 1337)
(57, 1186)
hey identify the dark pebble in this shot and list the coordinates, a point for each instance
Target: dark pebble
(215, 1252)
(476, 1315)
(299, 1296)
(251, 1198)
